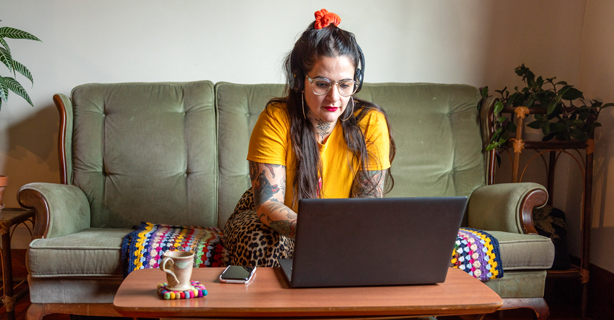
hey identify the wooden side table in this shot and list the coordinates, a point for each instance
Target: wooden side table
(555, 149)
(10, 218)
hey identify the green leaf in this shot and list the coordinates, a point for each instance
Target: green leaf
(562, 92)
(501, 119)
(607, 105)
(579, 135)
(517, 100)
(549, 136)
(3, 97)
(551, 107)
(546, 128)
(578, 122)
(594, 104)
(563, 136)
(4, 88)
(556, 113)
(556, 127)
(491, 146)
(485, 92)
(504, 137)
(5, 57)
(572, 94)
(511, 127)
(539, 82)
(536, 124)
(16, 87)
(584, 115)
(23, 70)
(5, 44)
(12, 33)
(498, 107)
(543, 99)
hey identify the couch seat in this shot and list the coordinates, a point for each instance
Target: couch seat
(91, 252)
(523, 251)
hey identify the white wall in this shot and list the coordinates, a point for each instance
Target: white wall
(471, 41)
(597, 78)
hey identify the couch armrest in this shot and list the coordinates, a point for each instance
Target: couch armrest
(65, 110)
(506, 207)
(60, 209)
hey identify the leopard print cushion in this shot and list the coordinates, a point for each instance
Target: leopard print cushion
(250, 242)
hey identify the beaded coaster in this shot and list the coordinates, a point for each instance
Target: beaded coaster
(198, 291)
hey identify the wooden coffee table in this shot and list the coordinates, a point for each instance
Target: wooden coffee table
(269, 295)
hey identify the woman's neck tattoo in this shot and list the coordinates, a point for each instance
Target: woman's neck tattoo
(323, 128)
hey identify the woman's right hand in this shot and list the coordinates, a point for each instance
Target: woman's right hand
(269, 187)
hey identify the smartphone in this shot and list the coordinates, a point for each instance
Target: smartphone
(237, 274)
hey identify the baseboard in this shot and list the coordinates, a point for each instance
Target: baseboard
(600, 292)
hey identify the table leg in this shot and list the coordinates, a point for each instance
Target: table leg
(7, 275)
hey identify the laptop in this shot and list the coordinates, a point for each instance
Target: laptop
(373, 242)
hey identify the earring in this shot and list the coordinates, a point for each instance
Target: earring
(303, 104)
(351, 113)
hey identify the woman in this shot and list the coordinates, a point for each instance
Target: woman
(316, 142)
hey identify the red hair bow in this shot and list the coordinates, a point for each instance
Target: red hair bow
(325, 18)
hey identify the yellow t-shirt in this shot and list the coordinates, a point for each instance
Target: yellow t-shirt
(271, 143)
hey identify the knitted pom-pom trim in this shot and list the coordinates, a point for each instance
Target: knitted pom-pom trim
(199, 291)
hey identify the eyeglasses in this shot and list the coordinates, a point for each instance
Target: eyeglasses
(321, 86)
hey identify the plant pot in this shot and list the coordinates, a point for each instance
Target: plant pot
(4, 181)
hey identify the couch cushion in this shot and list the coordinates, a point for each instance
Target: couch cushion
(91, 252)
(524, 251)
(146, 152)
(437, 135)
(520, 284)
(238, 107)
(74, 290)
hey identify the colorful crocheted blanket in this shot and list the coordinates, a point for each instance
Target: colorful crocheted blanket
(143, 247)
(477, 253)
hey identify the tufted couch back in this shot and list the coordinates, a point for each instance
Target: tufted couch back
(145, 152)
(176, 152)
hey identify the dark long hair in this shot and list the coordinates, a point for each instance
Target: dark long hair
(314, 43)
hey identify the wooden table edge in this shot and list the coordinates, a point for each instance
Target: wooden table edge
(302, 313)
(310, 312)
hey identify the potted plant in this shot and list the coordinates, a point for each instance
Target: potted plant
(562, 111)
(9, 82)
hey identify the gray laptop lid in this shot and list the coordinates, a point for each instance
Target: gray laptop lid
(366, 242)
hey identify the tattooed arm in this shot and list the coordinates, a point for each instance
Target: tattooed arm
(269, 186)
(361, 188)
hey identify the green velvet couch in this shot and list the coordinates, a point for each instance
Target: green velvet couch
(175, 153)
